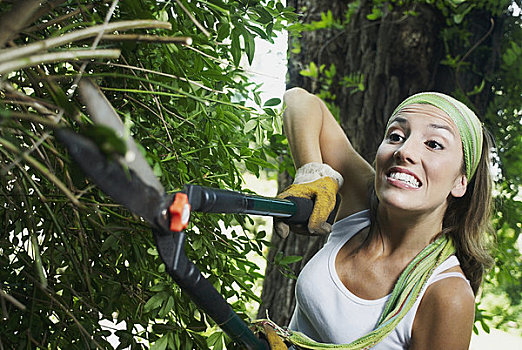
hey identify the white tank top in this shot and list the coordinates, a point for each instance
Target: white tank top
(328, 312)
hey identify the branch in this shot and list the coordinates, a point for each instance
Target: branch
(82, 329)
(148, 38)
(492, 21)
(14, 96)
(45, 8)
(60, 19)
(161, 74)
(24, 62)
(15, 52)
(193, 19)
(12, 300)
(42, 169)
(12, 22)
(31, 117)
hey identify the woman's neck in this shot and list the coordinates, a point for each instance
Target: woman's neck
(405, 232)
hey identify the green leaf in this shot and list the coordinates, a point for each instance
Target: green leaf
(155, 301)
(160, 344)
(157, 170)
(290, 259)
(269, 111)
(257, 98)
(457, 18)
(218, 345)
(264, 16)
(272, 102)
(375, 15)
(158, 288)
(260, 32)
(223, 31)
(477, 89)
(110, 242)
(106, 139)
(234, 118)
(235, 47)
(250, 125)
(167, 307)
(312, 71)
(457, 2)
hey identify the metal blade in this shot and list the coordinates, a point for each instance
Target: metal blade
(102, 113)
(123, 185)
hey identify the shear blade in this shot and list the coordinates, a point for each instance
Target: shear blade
(102, 113)
(123, 185)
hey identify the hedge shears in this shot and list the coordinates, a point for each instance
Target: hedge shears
(130, 181)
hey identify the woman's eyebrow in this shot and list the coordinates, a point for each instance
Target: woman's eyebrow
(404, 121)
(443, 127)
(399, 120)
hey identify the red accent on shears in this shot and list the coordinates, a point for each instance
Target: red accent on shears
(179, 212)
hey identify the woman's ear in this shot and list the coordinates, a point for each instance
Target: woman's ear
(460, 186)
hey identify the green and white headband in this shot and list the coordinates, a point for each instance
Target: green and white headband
(468, 125)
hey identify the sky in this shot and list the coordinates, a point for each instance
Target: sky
(269, 66)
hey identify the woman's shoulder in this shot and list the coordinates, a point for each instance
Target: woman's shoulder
(453, 292)
(447, 310)
(448, 290)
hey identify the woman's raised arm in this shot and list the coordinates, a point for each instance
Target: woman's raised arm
(315, 136)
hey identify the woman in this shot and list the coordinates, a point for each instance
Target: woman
(431, 191)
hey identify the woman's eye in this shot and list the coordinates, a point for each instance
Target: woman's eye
(394, 137)
(434, 145)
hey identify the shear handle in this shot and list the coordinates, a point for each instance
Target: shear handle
(293, 210)
(201, 291)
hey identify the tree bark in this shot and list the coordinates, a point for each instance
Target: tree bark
(398, 55)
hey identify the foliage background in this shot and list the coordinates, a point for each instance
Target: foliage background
(71, 258)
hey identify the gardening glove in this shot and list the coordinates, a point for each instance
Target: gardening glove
(276, 343)
(318, 182)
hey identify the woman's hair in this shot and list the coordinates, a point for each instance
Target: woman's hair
(466, 220)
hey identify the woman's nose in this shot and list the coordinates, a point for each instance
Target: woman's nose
(407, 152)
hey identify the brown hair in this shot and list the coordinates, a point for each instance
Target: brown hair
(466, 220)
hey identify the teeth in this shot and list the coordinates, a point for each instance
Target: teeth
(406, 178)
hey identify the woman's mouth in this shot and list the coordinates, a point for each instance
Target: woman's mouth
(404, 178)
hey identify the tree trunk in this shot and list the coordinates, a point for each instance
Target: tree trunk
(398, 55)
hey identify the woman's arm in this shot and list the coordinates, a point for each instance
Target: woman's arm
(315, 136)
(445, 317)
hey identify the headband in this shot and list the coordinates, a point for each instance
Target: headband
(468, 125)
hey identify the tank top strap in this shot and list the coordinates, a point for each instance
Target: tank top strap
(439, 273)
(450, 262)
(444, 275)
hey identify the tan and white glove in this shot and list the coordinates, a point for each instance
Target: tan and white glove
(320, 183)
(275, 342)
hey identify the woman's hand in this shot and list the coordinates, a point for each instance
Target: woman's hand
(323, 192)
(319, 183)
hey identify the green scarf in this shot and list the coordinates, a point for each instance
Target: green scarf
(406, 291)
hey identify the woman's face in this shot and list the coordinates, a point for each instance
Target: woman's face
(419, 162)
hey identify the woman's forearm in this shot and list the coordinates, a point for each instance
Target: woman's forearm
(315, 136)
(302, 120)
